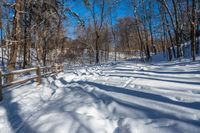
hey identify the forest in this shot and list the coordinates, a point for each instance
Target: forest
(42, 32)
(99, 66)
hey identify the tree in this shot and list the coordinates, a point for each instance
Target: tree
(97, 23)
(193, 30)
(16, 38)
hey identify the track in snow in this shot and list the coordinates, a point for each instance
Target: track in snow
(121, 98)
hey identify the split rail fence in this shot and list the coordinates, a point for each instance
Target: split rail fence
(39, 73)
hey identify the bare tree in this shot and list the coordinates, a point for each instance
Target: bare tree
(97, 23)
(16, 38)
(193, 30)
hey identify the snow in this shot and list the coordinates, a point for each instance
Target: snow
(121, 97)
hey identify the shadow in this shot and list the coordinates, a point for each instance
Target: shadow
(63, 81)
(155, 97)
(60, 105)
(165, 80)
(155, 114)
(13, 116)
(190, 72)
(167, 64)
(149, 112)
(173, 81)
(82, 124)
(146, 74)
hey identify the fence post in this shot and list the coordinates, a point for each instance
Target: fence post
(1, 87)
(38, 72)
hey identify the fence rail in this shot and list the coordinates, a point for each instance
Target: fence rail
(39, 73)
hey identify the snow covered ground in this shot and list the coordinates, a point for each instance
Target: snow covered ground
(123, 97)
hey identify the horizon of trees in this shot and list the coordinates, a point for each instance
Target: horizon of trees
(35, 32)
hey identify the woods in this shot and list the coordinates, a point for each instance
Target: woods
(99, 66)
(38, 32)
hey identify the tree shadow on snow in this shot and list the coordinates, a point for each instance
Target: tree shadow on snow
(154, 78)
(151, 113)
(155, 97)
(157, 72)
(14, 118)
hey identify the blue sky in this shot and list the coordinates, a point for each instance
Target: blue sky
(122, 10)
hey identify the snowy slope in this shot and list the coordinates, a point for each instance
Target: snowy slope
(116, 98)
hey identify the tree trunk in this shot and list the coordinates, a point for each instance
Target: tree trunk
(177, 31)
(193, 30)
(16, 38)
(97, 48)
(170, 36)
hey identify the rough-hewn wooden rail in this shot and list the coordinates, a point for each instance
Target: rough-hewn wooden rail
(39, 73)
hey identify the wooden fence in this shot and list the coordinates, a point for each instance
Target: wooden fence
(39, 73)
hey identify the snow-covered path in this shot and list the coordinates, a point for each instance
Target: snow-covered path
(115, 98)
